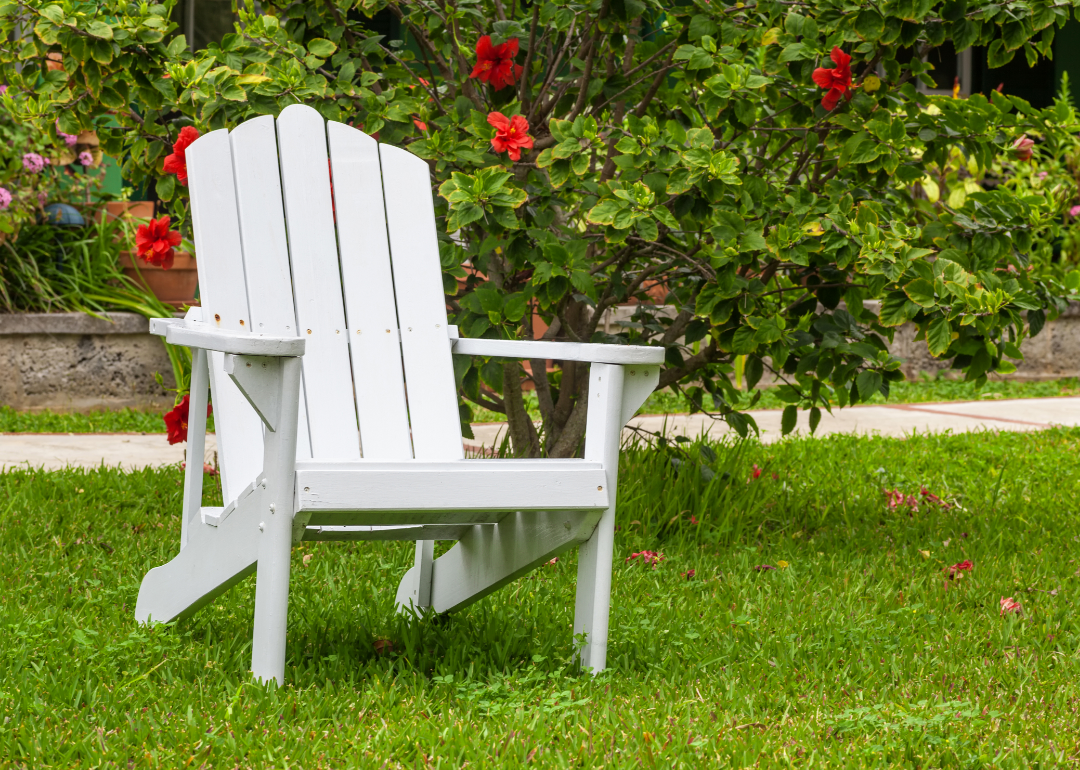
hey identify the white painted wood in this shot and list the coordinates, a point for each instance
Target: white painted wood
(205, 336)
(421, 304)
(405, 532)
(603, 430)
(266, 250)
(224, 301)
(368, 285)
(214, 515)
(560, 351)
(258, 378)
(196, 442)
(313, 255)
(638, 384)
(215, 559)
(488, 557)
(448, 487)
(277, 531)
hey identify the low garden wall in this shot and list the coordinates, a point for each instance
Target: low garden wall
(75, 362)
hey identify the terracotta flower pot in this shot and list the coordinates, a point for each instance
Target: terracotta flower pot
(127, 210)
(175, 286)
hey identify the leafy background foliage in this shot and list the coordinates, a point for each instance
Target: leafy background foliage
(682, 161)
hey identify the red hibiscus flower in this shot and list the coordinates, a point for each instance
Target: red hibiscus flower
(836, 81)
(1008, 606)
(176, 421)
(511, 134)
(1022, 147)
(177, 163)
(495, 63)
(154, 242)
(957, 569)
(756, 472)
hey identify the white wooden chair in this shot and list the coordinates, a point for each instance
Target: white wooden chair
(307, 342)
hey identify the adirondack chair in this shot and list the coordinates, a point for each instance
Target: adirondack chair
(329, 363)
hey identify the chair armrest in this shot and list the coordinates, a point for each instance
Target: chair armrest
(192, 334)
(560, 351)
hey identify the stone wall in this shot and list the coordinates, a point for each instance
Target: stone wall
(75, 362)
(1053, 353)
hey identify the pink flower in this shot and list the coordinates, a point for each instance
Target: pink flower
(1075, 210)
(1042, 175)
(1008, 606)
(86, 158)
(41, 198)
(33, 162)
(763, 567)
(649, 557)
(5, 197)
(693, 519)
(689, 574)
(957, 569)
(1023, 146)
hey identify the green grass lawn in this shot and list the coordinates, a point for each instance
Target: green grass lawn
(854, 652)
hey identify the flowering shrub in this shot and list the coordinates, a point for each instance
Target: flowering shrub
(34, 170)
(745, 175)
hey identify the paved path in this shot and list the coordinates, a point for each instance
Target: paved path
(127, 450)
(893, 420)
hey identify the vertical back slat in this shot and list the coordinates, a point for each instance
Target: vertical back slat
(223, 296)
(421, 305)
(320, 313)
(369, 294)
(262, 232)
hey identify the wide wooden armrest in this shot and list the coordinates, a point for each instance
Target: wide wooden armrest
(559, 351)
(193, 334)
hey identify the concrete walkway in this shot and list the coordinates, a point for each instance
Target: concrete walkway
(51, 451)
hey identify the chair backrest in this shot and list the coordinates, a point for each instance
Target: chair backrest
(353, 267)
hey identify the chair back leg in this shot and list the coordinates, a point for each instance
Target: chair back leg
(275, 531)
(603, 435)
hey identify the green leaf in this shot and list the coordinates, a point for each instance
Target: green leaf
(815, 418)
(752, 241)
(921, 292)
(603, 213)
(321, 47)
(868, 382)
(939, 336)
(789, 419)
(166, 186)
(177, 46)
(100, 29)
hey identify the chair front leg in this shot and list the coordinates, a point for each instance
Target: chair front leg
(273, 387)
(603, 433)
(196, 441)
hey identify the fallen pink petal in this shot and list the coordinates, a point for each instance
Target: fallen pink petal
(1008, 606)
(957, 569)
(763, 567)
